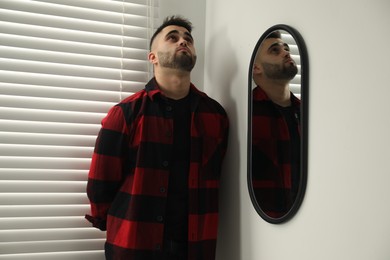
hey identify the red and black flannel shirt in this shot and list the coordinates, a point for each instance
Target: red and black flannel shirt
(129, 173)
(272, 178)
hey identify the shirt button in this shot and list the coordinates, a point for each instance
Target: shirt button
(162, 190)
(159, 218)
(165, 163)
(168, 108)
(158, 247)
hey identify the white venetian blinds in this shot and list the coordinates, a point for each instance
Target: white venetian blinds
(295, 83)
(63, 64)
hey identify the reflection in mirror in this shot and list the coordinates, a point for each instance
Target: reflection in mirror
(277, 125)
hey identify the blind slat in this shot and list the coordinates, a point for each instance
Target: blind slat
(28, 198)
(48, 128)
(58, 69)
(51, 57)
(82, 255)
(60, 57)
(113, 6)
(33, 142)
(42, 38)
(7, 174)
(51, 246)
(47, 234)
(58, 92)
(89, 44)
(47, 151)
(16, 77)
(42, 222)
(15, 211)
(106, 12)
(75, 24)
(44, 163)
(57, 103)
(51, 115)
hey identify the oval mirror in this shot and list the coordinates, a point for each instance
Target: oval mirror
(277, 124)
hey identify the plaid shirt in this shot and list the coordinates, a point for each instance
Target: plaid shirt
(128, 178)
(272, 177)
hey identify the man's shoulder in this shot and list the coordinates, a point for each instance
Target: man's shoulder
(131, 105)
(139, 95)
(207, 103)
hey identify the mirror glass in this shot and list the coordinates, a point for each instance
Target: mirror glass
(277, 123)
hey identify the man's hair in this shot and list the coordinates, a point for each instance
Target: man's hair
(172, 20)
(274, 34)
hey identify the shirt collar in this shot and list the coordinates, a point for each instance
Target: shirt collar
(153, 90)
(259, 94)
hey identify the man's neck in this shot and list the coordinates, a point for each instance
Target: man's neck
(173, 83)
(279, 93)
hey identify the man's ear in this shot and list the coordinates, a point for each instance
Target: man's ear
(152, 57)
(256, 69)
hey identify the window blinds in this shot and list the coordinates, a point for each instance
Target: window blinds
(295, 83)
(63, 64)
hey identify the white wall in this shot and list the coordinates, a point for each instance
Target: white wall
(346, 211)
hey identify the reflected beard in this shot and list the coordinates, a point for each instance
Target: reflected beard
(183, 61)
(274, 71)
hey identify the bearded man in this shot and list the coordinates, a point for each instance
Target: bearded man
(154, 176)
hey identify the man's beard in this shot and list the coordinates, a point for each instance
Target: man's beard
(274, 71)
(179, 61)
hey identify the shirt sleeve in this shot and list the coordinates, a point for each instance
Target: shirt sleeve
(105, 173)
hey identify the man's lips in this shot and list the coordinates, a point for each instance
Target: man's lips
(183, 49)
(289, 60)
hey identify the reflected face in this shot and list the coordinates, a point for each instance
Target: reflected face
(274, 61)
(174, 48)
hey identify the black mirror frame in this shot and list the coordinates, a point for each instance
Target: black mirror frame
(304, 124)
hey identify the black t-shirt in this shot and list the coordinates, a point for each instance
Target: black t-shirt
(176, 220)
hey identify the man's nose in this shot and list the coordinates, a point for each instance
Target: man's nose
(183, 42)
(286, 53)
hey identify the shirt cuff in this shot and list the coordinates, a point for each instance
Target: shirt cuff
(97, 222)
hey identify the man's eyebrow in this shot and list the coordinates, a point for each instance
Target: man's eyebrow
(278, 43)
(177, 32)
(189, 35)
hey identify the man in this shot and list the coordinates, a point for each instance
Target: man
(154, 177)
(275, 128)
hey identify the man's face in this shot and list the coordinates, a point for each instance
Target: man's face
(274, 60)
(174, 48)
